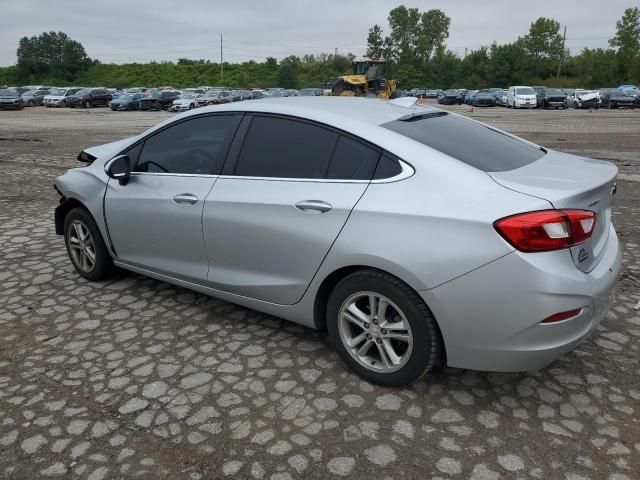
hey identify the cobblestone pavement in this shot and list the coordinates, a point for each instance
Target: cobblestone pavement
(134, 378)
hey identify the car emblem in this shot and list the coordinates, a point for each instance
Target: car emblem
(582, 255)
(595, 202)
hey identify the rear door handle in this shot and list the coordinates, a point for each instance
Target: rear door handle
(313, 206)
(185, 199)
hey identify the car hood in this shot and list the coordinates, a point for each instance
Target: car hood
(588, 95)
(106, 151)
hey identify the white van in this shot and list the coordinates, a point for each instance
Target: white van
(521, 97)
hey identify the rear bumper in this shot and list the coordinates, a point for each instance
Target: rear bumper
(491, 318)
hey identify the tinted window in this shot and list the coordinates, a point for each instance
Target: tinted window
(275, 147)
(468, 141)
(388, 167)
(352, 160)
(196, 146)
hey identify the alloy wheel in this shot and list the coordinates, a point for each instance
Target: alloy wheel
(81, 246)
(375, 332)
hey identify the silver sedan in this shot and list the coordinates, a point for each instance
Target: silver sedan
(415, 237)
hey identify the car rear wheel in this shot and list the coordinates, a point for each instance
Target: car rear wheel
(85, 246)
(86, 104)
(382, 329)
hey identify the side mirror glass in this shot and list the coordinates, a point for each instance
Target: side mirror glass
(120, 169)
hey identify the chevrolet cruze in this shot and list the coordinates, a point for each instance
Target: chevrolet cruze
(415, 237)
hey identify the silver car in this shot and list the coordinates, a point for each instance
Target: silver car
(415, 237)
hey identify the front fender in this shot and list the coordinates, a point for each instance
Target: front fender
(86, 186)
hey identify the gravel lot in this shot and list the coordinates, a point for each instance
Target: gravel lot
(134, 378)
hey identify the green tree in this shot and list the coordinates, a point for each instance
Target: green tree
(287, 76)
(51, 54)
(403, 39)
(434, 30)
(543, 46)
(627, 43)
(476, 68)
(375, 43)
(507, 64)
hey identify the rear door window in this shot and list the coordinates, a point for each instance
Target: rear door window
(467, 141)
(282, 148)
(352, 160)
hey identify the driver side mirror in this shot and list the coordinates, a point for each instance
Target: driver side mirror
(120, 169)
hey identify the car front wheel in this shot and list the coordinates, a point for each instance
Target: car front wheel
(85, 246)
(382, 329)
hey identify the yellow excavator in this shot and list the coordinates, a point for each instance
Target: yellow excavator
(367, 80)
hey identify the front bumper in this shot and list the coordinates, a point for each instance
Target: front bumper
(10, 106)
(490, 318)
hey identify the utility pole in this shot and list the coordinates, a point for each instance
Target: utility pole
(564, 38)
(221, 64)
(465, 52)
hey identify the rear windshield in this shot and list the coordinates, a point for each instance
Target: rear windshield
(470, 142)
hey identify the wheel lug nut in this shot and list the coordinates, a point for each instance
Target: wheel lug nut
(383, 331)
(375, 321)
(368, 336)
(379, 340)
(366, 325)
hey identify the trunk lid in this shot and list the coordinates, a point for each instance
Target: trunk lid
(568, 181)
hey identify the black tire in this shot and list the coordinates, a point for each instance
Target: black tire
(428, 348)
(86, 104)
(103, 266)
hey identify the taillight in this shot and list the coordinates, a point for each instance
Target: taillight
(546, 230)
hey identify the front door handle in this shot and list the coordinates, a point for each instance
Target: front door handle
(313, 206)
(185, 199)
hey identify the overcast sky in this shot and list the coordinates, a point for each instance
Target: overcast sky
(123, 31)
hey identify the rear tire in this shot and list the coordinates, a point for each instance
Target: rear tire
(87, 104)
(85, 246)
(398, 355)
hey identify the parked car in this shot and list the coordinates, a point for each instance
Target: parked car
(186, 101)
(285, 236)
(127, 102)
(504, 98)
(584, 99)
(613, 98)
(159, 100)
(469, 96)
(521, 97)
(34, 98)
(630, 89)
(239, 95)
(450, 97)
(484, 98)
(57, 97)
(551, 98)
(10, 100)
(311, 92)
(89, 97)
(497, 93)
(215, 97)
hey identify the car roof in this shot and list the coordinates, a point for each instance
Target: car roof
(326, 109)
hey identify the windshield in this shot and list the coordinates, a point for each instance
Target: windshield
(8, 93)
(58, 91)
(483, 148)
(554, 91)
(84, 91)
(212, 93)
(188, 96)
(452, 92)
(525, 91)
(126, 96)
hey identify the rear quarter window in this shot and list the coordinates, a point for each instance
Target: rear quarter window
(467, 141)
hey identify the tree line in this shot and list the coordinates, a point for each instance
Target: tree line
(414, 47)
(416, 51)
